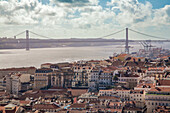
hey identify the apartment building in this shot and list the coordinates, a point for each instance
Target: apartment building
(105, 79)
(42, 78)
(62, 77)
(157, 72)
(137, 95)
(109, 92)
(93, 78)
(17, 82)
(27, 70)
(130, 79)
(133, 95)
(81, 73)
(158, 96)
(123, 94)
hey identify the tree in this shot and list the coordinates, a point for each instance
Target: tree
(115, 77)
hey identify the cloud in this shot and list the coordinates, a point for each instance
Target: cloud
(12, 12)
(71, 3)
(78, 15)
(131, 11)
(134, 13)
(162, 16)
(28, 12)
(167, 8)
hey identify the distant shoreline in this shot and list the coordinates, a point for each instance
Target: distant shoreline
(63, 46)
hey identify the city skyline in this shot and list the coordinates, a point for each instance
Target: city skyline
(85, 18)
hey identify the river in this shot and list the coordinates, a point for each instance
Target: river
(35, 57)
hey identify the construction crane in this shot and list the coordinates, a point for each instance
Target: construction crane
(147, 45)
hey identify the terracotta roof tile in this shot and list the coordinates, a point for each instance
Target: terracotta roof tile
(45, 106)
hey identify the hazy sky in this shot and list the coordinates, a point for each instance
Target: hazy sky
(85, 18)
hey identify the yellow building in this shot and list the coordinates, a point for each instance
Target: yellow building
(42, 78)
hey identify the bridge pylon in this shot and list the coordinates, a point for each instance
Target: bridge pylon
(127, 43)
(27, 40)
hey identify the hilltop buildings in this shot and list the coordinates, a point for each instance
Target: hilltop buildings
(16, 83)
(121, 84)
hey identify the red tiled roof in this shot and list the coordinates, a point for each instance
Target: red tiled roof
(45, 106)
(24, 102)
(122, 55)
(156, 68)
(160, 89)
(146, 85)
(78, 105)
(164, 82)
(77, 92)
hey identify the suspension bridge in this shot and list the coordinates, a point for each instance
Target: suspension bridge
(50, 39)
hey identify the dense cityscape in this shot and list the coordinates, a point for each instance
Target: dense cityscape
(84, 56)
(122, 83)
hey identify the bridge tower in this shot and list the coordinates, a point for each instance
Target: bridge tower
(127, 43)
(27, 41)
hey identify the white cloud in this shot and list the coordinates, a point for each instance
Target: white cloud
(131, 11)
(73, 16)
(162, 16)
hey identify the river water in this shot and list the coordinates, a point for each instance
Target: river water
(35, 57)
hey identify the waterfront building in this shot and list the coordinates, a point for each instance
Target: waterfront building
(42, 78)
(46, 65)
(24, 70)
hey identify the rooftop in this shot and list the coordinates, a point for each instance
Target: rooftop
(76, 105)
(163, 82)
(45, 106)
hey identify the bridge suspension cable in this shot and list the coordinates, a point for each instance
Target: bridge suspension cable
(40, 35)
(18, 34)
(113, 33)
(148, 35)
